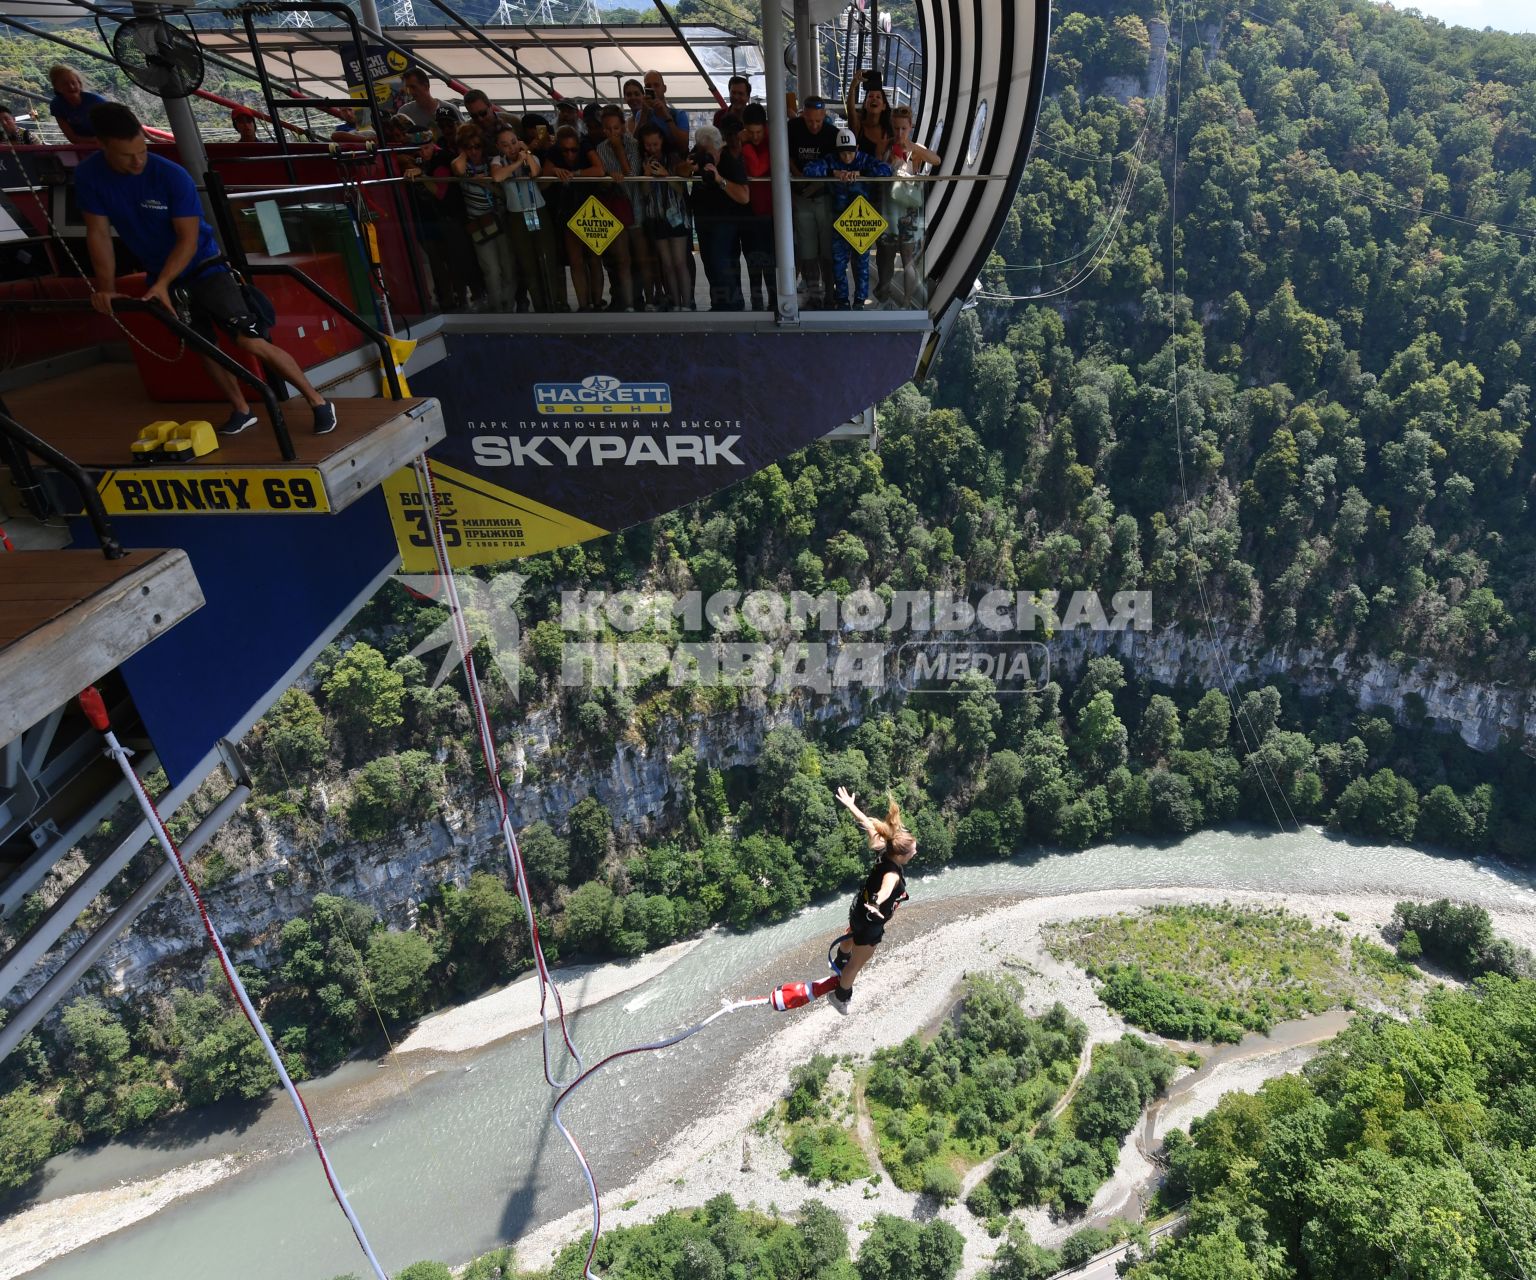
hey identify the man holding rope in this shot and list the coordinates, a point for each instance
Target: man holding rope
(153, 204)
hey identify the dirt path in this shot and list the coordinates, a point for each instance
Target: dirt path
(975, 1175)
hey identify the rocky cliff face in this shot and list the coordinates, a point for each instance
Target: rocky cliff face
(1483, 714)
(165, 946)
(638, 788)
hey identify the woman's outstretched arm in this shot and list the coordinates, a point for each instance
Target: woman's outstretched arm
(863, 819)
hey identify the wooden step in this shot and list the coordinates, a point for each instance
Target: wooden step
(67, 618)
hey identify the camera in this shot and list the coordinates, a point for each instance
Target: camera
(872, 80)
(650, 92)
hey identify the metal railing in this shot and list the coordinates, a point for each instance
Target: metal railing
(435, 250)
(219, 202)
(95, 511)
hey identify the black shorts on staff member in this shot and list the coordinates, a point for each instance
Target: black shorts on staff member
(212, 300)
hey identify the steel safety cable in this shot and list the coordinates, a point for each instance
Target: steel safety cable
(95, 710)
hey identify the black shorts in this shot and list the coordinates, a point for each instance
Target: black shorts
(215, 301)
(868, 930)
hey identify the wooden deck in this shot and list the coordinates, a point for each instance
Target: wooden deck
(67, 618)
(95, 414)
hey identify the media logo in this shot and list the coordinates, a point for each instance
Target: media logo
(602, 394)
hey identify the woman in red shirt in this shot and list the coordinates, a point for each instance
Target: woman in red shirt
(757, 226)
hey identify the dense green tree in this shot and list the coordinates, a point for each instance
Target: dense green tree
(824, 1237)
(546, 857)
(896, 1249)
(483, 912)
(292, 735)
(366, 696)
(220, 1056)
(1384, 806)
(591, 828)
(1160, 733)
(1099, 744)
(1020, 1258)
(398, 964)
(28, 1131)
(592, 917)
(1209, 722)
(391, 791)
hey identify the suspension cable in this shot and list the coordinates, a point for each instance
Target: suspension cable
(96, 712)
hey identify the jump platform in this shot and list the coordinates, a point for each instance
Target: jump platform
(93, 416)
(68, 618)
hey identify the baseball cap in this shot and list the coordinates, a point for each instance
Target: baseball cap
(846, 141)
(813, 103)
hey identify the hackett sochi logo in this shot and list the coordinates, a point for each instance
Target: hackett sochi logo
(602, 394)
(606, 422)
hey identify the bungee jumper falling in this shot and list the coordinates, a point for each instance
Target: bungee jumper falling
(884, 889)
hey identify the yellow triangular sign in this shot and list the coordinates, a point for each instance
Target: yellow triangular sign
(595, 224)
(482, 522)
(861, 225)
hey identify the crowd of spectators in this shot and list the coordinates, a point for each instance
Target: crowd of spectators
(499, 238)
(494, 194)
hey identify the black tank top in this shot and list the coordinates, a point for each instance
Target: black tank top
(875, 879)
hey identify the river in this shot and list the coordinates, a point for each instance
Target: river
(447, 1156)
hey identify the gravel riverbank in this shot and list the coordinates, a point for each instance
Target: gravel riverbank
(907, 988)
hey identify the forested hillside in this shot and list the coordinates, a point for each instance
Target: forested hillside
(1348, 463)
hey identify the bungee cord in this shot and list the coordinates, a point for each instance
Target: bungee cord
(789, 996)
(547, 987)
(96, 712)
(581, 1158)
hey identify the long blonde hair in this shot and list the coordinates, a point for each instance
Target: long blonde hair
(889, 835)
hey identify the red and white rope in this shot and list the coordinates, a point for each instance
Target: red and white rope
(121, 754)
(547, 986)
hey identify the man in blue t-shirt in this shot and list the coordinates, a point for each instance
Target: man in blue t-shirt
(71, 105)
(152, 203)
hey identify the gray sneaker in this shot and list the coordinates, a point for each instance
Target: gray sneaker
(840, 999)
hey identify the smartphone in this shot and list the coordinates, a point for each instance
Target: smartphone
(650, 91)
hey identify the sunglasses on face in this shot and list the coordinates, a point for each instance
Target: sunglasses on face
(481, 115)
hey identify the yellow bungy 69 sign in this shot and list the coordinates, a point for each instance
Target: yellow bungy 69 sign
(861, 224)
(595, 224)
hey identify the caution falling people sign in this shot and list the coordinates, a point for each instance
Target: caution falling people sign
(861, 225)
(595, 224)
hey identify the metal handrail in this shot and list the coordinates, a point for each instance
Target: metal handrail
(187, 334)
(95, 511)
(237, 191)
(219, 202)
